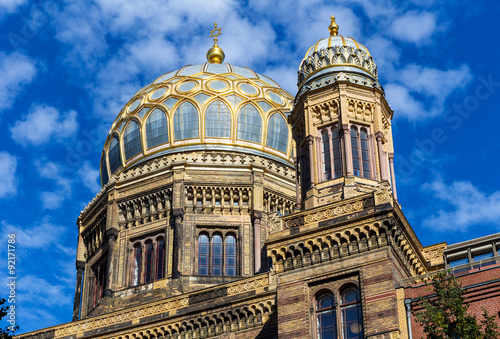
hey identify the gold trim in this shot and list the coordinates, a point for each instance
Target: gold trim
(332, 66)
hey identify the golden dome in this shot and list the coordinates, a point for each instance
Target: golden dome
(212, 107)
(336, 54)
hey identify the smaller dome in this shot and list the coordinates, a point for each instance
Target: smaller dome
(336, 54)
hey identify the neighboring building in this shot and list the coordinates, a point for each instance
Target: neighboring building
(202, 227)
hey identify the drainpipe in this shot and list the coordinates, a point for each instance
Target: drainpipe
(408, 316)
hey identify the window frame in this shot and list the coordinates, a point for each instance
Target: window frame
(139, 276)
(358, 146)
(224, 235)
(334, 145)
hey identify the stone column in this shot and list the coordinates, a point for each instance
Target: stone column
(373, 163)
(381, 159)
(297, 187)
(111, 234)
(393, 177)
(348, 149)
(80, 266)
(311, 160)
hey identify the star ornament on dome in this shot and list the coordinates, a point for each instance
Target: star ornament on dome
(215, 33)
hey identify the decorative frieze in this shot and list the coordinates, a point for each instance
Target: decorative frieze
(145, 208)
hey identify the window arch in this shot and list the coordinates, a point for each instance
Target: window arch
(132, 140)
(277, 133)
(203, 254)
(137, 265)
(326, 323)
(186, 121)
(352, 325)
(339, 319)
(230, 257)
(217, 254)
(249, 124)
(217, 120)
(160, 259)
(360, 153)
(148, 265)
(156, 129)
(115, 159)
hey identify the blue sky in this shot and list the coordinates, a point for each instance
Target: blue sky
(67, 68)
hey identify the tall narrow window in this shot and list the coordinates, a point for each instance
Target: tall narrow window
(364, 153)
(148, 269)
(326, 322)
(249, 124)
(327, 165)
(156, 129)
(305, 170)
(115, 159)
(186, 122)
(277, 133)
(230, 256)
(160, 259)
(132, 140)
(352, 326)
(217, 120)
(356, 166)
(203, 254)
(216, 255)
(137, 263)
(104, 170)
(337, 162)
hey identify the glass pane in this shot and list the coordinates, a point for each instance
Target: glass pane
(351, 322)
(216, 255)
(156, 129)
(203, 254)
(459, 262)
(326, 325)
(483, 256)
(104, 170)
(186, 122)
(327, 168)
(277, 133)
(132, 140)
(217, 120)
(326, 301)
(230, 260)
(148, 274)
(249, 124)
(160, 260)
(137, 265)
(115, 160)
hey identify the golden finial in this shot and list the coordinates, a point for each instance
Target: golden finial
(333, 28)
(215, 55)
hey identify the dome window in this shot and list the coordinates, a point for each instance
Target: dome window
(217, 120)
(132, 140)
(277, 133)
(104, 171)
(115, 159)
(249, 124)
(156, 129)
(186, 122)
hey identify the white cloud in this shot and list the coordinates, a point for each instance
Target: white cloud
(39, 291)
(8, 179)
(42, 124)
(10, 6)
(42, 236)
(466, 206)
(54, 172)
(89, 177)
(415, 27)
(403, 103)
(17, 70)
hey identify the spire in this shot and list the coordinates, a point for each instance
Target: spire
(333, 28)
(215, 54)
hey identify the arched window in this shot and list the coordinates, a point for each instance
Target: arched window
(249, 124)
(230, 257)
(132, 140)
(217, 255)
(277, 133)
(186, 122)
(331, 152)
(148, 269)
(203, 254)
(156, 129)
(217, 120)
(115, 159)
(160, 259)
(99, 281)
(352, 325)
(137, 265)
(360, 153)
(104, 171)
(326, 322)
